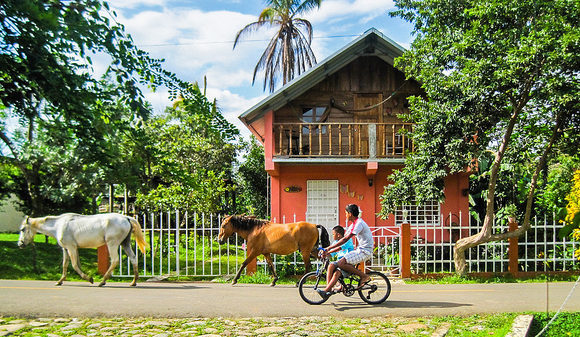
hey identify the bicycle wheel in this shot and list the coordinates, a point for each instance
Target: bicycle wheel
(377, 290)
(308, 285)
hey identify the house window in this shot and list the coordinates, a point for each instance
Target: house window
(322, 202)
(313, 114)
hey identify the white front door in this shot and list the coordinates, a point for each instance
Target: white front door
(322, 203)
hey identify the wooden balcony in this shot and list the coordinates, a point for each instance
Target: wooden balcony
(342, 140)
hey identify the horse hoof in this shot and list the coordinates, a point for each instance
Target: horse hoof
(234, 282)
(90, 280)
(272, 284)
(58, 284)
(133, 284)
(101, 284)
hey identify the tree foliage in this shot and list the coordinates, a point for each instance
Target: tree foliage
(288, 52)
(500, 77)
(572, 219)
(59, 120)
(252, 181)
(184, 156)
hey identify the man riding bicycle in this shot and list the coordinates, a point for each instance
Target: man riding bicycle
(363, 252)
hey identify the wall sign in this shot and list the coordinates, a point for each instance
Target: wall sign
(293, 189)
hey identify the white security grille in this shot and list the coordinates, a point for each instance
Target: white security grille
(322, 203)
(419, 215)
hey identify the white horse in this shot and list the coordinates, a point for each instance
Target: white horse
(73, 231)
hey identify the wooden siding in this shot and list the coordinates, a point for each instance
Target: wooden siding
(361, 84)
(365, 75)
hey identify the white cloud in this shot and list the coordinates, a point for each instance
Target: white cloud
(343, 10)
(135, 3)
(194, 43)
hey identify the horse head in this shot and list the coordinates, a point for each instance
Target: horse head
(226, 230)
(27, 232)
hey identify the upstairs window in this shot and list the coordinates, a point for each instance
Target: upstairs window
(313, 114)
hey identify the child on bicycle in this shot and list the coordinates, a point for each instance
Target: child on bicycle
(363, 252)
(340, 251)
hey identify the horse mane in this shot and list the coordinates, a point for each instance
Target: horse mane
(245, 223)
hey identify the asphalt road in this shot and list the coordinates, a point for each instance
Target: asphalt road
(175, 300)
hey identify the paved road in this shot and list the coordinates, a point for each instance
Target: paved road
(81, 299)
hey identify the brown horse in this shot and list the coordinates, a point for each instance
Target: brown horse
(265, 238)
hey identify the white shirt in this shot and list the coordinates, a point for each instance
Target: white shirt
(363, 234)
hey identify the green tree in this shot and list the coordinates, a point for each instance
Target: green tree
(288, 52)
(48, 89)
(184, 156)
(252, 181)
(493, 71)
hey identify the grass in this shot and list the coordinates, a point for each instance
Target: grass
(19, 264)
(566, 324)
(455, 279)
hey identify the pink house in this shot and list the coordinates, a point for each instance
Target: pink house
(332, 136)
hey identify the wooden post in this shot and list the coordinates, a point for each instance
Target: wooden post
(513, 251)
(102, 259)
(252, 267)
(103, 251)
(405, 250)
(125, 201)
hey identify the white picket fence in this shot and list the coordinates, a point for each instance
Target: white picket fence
(539, 250)
(184, 244)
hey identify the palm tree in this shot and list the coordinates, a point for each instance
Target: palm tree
(289, 49)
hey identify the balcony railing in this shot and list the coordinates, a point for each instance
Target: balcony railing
(355, 140)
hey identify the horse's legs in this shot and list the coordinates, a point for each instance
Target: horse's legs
(114, 254)
(73, 252)
(127, 248)
(251, 255)
(64, 267)
(271, 265)
(306, 257)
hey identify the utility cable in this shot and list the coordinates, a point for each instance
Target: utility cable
(559, 310)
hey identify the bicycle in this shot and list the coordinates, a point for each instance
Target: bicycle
(374, 292)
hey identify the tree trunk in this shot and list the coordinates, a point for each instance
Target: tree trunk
(485, 235)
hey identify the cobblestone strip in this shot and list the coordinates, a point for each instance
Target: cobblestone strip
(226, 327)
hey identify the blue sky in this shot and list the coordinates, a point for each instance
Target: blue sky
(196, 37)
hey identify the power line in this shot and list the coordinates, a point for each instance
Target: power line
(232, 41)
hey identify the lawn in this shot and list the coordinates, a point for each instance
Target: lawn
(19, 264)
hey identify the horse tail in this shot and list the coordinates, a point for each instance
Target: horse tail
(323, 239)
(138, 235)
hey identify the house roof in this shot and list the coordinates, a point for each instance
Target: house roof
(372, 42)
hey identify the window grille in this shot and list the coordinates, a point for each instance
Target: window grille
(419, 215)
(322, 202)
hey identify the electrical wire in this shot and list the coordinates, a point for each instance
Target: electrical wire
(232, 41)
(559, 310)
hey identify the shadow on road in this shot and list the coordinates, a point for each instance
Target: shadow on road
(138, 287)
